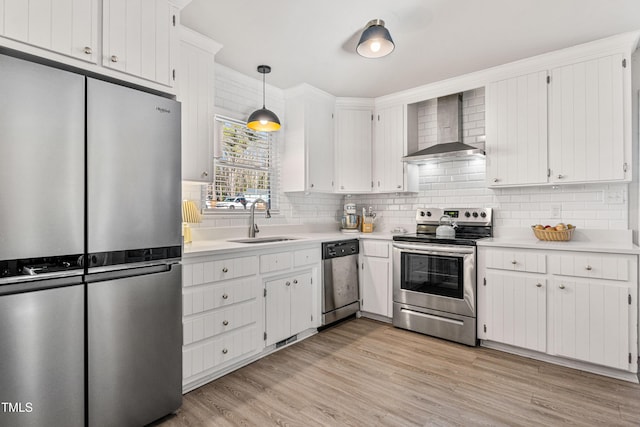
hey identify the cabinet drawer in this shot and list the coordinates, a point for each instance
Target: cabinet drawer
(275, 262)
(212, 271)
(218, 295)
(306, 257)
(216, 352)
(375, 249)
(216, 322)
(593, 265)
(516, 260)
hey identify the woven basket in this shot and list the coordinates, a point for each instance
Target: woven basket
(554, 235)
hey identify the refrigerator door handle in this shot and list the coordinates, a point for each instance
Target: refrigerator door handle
(130, 271)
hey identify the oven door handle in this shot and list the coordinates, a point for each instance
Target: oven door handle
(436, 250)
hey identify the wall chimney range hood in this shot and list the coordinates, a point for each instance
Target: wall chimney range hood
(449, 145)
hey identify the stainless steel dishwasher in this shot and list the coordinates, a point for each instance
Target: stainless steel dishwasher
(341, 297)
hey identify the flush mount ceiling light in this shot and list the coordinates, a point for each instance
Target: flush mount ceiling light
(375, 41)
(263, 120)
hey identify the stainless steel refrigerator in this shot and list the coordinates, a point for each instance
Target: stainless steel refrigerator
(90, 280)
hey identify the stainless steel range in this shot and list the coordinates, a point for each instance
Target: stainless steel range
(434, 278)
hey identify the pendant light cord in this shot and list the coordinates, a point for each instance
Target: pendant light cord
(263, 90)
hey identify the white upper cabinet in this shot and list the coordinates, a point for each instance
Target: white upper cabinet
(307, 162)
(196, 94)
(565, 125)
(138, 36)
(353, 146)
(388, 149)
(69, 27)
(516, 130)
(586, 124)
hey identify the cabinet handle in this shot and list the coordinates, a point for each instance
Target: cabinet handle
(538, 285)
(205, 173)
(225, 351)
(225, 322)
(288, 283)
(560, 176)
(295, 281)
(88, 50)
(561, 286)
(225, 270)
(114, 58)
(225, 296)
(495, 180)
(588, 268)
(514, 262)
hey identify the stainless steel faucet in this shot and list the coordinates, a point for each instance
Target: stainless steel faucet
(253, 227)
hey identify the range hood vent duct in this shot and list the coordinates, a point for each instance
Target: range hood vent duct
(449, 117)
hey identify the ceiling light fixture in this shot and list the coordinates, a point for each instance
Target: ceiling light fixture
(263, 120)
(375, 41)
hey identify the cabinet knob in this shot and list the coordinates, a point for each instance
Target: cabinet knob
(225, 296)
(342, 187)
(561, 286)
(560, 176)
(588, 268)
(311, 186)
(295, 281)
(514, 262)
(225, 351)
(225, 270)
(205, 173)
(88, 50)
(288, 283)
(114, 58)
(495, 180)
(538, 285)
(225, 322)
(398, 186)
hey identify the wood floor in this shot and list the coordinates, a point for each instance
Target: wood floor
(367, 373)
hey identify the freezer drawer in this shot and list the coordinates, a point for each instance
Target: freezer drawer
(135, 348)
(42, 358)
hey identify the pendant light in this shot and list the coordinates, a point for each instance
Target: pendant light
(263, 120)
(375, 41)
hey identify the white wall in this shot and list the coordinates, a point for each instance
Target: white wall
(237, 96)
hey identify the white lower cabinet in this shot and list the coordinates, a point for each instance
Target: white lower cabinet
(221, 314)
(236, 306)
(582, 308)
(375, 278)
(288, 306)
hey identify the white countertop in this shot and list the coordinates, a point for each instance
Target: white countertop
(217, 246)
(584, 244)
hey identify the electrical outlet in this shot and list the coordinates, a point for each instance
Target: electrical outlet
(614, 197)
(556, 211)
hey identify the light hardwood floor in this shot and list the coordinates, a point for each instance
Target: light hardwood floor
(367, 373)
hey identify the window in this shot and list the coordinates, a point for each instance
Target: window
(244, 168)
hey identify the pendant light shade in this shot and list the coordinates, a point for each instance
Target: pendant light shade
(263, 120)
(375, 41)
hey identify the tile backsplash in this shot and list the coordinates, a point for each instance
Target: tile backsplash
(462, 184)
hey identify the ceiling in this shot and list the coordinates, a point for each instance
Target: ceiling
(314, 41)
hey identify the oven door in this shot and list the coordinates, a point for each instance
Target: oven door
(438, 277)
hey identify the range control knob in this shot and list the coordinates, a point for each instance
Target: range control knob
(475, 214)
(467, 214)
(483, 214)
(428, 213)
(422, 213)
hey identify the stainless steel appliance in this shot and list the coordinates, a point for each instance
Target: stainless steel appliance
(134, 295)
(90, 284)
(434, 278)
(340, 280)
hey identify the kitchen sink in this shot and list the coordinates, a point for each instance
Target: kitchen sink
(271, 239)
